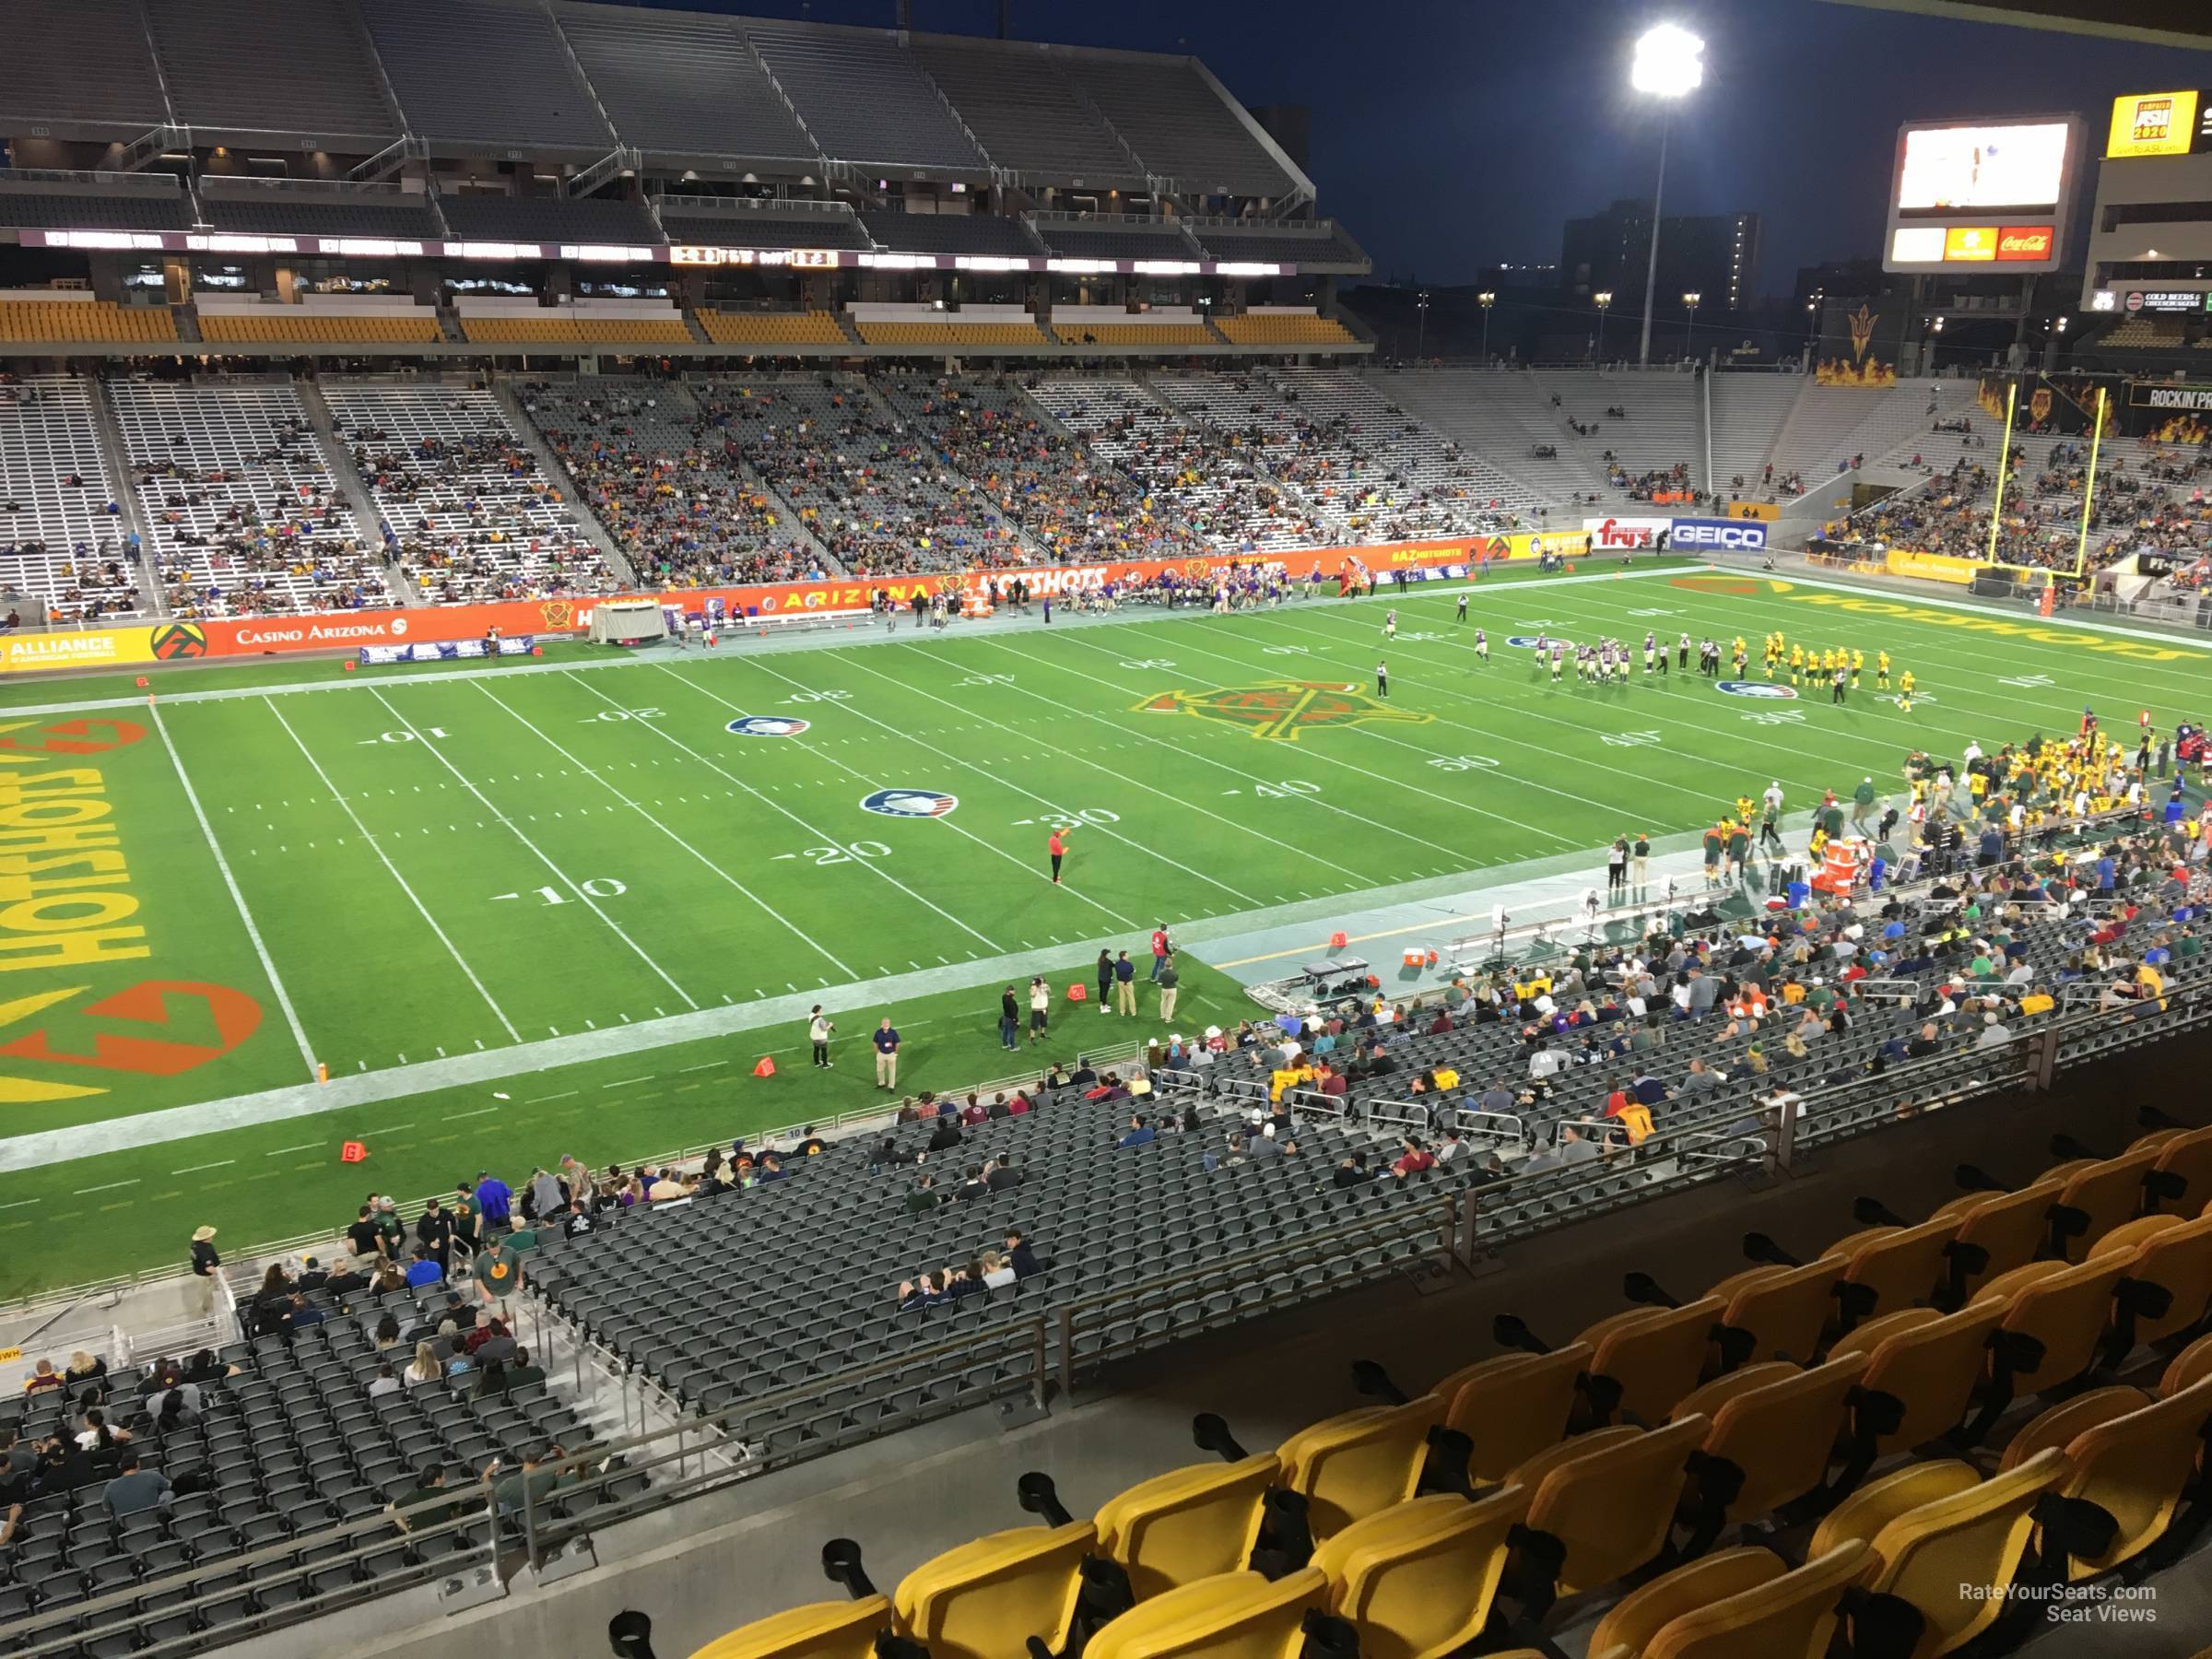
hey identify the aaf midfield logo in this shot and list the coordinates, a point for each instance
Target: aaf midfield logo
(908, 803)
(558, 614)
(1283, 711)
(1529, 641)
(1729, 584)
(1760, 688)
(767, 725)
(177, 641)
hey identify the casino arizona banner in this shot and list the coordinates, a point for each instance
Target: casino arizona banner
(347, 630)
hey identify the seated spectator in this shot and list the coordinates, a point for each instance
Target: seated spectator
(491, 1380)
(927, 1292)
(424, 1269)
(96, 1434)
(521, 1372)
(385, 1382)
(428, 1504)
(1416, 1159)
(1350, 1173)
(425, 1367)
(925, 1196)
(1019, 1256)
(43, 1378)
(1140, 1133)
(993, 1272)
(135, 1488)
(84, 1368)
(946, 1136)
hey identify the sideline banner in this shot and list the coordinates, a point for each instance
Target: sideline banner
(1767, 511)
(545, 618)
(1929, 567)
(1720, 535)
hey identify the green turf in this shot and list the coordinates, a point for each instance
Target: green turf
(479, 861)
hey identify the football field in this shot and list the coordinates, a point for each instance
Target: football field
(515, 910)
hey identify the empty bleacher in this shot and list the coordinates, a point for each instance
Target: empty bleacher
(1167, 328)
(1503, 419)
(300, 207)
(485, 72)
(972, 234)
(48, 79)
(1289, 326)
(31, 314)
(1114, 236)
(58, 541)
(772, 328)
(244, 514)
(477, 215)
(679, 85)
(1013, 99)
(153, 205)
(1322, 247)
(900, 325)
(337, 320)
(722, 223)
(1168, 112)
(863, 98)
(461, 497)
(1747, 412)
(240, 68)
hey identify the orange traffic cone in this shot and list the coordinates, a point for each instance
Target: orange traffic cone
(766, 1068)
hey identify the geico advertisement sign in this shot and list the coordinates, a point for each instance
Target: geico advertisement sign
(1728, 536)
(1625, 532)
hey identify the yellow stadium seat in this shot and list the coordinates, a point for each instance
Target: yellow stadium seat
(2105, 1193)
(950, 334)
(1930, 1363)
(1893, 1267)
(1186, 1525)
(1350, 1466)
(2064, 1309)
(287, 323)
(1935, 1527)
(2135, 1466)
(1294, 328)
(824, 1630)
(521, 330)
(2009, 1227)
(632, 330)
(1655, 1354)
(1631, 1623)
(987, 1597)
(1417, 1580)
(100, 320)
(1512, 1406)
(1601, 1505)
(2170, 1253)
(2186, 1158)
(1791, 1615)
(772, 328)
(1778, 1312)
(1233, 1616)
(1773, 1429)
(1133, 333)
(2190, 1366)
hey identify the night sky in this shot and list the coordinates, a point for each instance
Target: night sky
(1448, 137)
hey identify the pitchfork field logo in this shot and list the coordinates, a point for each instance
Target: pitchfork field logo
(1283, 711)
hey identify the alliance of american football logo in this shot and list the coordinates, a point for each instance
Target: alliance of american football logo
(1764, 688)
(768, 725)
(910, 803)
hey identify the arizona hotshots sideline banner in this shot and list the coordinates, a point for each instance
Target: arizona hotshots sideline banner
(346, 631)
(1859, 340)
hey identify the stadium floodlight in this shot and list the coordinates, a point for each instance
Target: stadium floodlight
(1690, 300)
(1669, 64)
(1602, 299)
(1486, 299)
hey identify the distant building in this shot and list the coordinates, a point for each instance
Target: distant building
(1715, 255)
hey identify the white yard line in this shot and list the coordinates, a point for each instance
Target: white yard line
(718, 869)
(463, 779)
(421, 909)
(868, 865)
(222, 865)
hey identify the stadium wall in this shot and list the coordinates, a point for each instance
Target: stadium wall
(343, 630)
